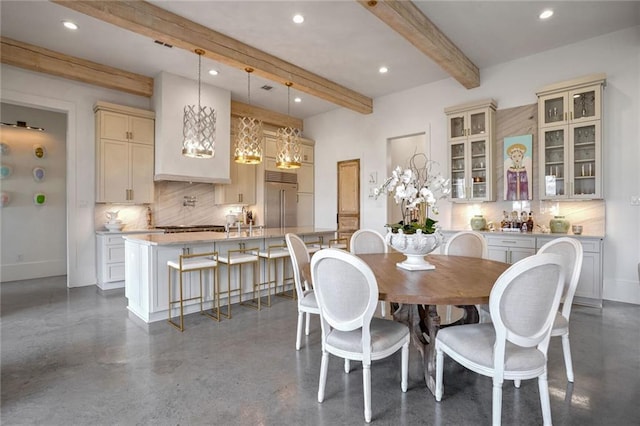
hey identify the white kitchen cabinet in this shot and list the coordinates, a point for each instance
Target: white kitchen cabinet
(589, 290)
(510, 248)
(570, 139)
(110, 265)
(471, 138)
(305, 209)
(124, 154)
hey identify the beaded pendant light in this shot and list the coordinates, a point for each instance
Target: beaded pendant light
(288, 151)
(199, 125)
(249, 135)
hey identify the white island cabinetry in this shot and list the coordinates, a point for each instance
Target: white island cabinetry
(146, 272)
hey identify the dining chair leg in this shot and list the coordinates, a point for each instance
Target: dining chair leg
(566, 350)
(543, 389)
(516, 383)
(405, 367)
(366, 387)
(497, 401)
(439, 372)
(307, 320)
(299, 330)
(324, 365)
(347, 365)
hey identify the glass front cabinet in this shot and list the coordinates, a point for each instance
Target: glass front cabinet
(570, 139)
(471, 136)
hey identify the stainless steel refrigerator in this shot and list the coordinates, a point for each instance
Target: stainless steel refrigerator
(280, 199)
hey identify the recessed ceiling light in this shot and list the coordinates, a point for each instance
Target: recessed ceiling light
(383, 70)
(297, 99)
(546, 14)
(298, 19)
(70, 25)
(213, 72)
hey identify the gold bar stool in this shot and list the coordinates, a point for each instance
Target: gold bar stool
(190, 263)
(271, 256)
(341, 243)
(313, 246)
(240, 257)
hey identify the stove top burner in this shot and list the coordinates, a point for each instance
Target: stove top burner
(170, 229)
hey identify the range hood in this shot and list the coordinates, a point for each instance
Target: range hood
(170, 95)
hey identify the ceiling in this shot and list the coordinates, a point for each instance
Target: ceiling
(339, 40)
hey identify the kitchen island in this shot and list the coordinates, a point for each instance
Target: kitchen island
(146, 256)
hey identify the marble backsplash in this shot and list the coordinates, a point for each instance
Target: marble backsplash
(176, 203)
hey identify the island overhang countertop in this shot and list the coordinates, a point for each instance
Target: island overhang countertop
(207, 237)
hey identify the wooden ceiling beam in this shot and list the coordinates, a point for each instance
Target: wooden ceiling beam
(159, 24)
(239, 109)
(406, 19)
(42, 60)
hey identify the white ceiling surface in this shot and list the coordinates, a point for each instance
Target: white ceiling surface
(339, 40)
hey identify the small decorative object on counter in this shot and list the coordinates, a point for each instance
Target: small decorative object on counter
(576, 229)
(559, 225)
(530, 222)
(478, 222)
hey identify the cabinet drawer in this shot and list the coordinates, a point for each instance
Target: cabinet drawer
(592, 246)
(511, 241)
(115, 272)
(348, 223)
(114, 254)
(114, 239)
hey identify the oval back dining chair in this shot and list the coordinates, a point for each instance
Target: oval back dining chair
(305, 296)
(471, 244)
(366, 241)
(571, 251)
(347, 294)
(523, 303)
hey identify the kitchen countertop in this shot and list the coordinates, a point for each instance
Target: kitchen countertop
(529, 234)
(206, 237)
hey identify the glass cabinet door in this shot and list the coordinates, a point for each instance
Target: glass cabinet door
(585, 104)
(585, 173)
(553, 160)
(479, 168)
(477, 123)
(553, 109)
(458, 177)
(457, 126)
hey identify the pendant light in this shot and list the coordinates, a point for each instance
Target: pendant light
(288, 155)
(249, 134)
(199, 125)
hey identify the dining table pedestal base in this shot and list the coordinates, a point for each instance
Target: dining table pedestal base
(424, 322)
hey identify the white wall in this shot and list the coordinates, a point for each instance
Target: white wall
(341, 134)
(34, 237)
(46, 92)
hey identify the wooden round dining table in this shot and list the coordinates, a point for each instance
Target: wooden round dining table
(414, 295)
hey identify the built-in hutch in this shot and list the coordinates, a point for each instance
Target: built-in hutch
(570, 139)
(124, 154)
(471, 138)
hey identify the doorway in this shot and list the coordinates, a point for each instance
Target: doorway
(348, 198)
(399, 151)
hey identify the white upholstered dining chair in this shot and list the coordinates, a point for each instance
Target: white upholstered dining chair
(365, 241)
(347, 294)
(306, 298)
(523, 303)
(471, 244)
(571, 251)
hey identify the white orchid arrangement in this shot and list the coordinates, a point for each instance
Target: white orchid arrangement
(416, 188)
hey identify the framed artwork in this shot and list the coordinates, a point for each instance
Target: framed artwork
(39, 199)
(518, 170)
(38, 174)
(5, 171)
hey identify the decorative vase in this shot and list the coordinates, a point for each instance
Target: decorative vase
(415, 247)
(478, 222)
(559, 225)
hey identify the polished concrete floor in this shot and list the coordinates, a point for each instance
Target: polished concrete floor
(73, 357)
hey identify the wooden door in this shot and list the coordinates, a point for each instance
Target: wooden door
(348, 197)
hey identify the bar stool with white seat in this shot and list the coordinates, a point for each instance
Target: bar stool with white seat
(271, 255)
(190, 263)
(339, 243)
(240, 257)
